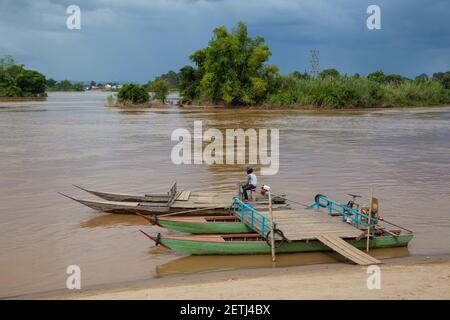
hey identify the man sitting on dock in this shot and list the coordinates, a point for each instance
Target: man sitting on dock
(251, 182)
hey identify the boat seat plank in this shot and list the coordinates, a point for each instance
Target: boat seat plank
(183, 196)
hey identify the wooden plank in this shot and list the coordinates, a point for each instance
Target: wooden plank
(184, 196)
(347, 250)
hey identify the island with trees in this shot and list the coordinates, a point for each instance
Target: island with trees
(16, 81)
(233, 71)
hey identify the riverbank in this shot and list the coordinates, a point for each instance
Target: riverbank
(401, 278)
(303, 108)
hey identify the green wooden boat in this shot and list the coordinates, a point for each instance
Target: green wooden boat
(253, 243)
(201, 225)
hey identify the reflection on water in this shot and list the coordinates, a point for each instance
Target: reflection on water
(194, 264)
(113, 220)
(75, 139)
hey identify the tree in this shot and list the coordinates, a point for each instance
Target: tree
(16, 81)
(6, 62)
(422, 77)
(64, 85)
(32, 82)
(51, 83)
(300, 76)
(331, 73)
(377, 76)
(132, 93)
(78, 86)
(232, 67)
(443, 78)
(189, 80)
(380, 77)
(161, 88)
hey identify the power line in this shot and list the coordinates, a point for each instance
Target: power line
(314, 63)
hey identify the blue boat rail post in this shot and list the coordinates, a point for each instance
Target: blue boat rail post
(356, 217)
(252, 217)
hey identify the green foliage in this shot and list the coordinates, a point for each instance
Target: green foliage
(51, 83)
(299, 76)
(132, 93)
(422, 77)
(188, 83)
(231, 69)
(110, 100)
(380, 77)
(171, 77)
(351, 92)
(16, 81)
(6, 62)
(64, 85)
(443, 78)
(329, 73)
(161, 88)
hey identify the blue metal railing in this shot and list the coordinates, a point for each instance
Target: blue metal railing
(356, 217)
(251, 217)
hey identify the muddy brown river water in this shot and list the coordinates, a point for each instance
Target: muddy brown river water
(72, 138)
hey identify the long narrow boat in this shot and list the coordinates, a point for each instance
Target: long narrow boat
(173, 194)
(219, 206)
(201, 225)
(122, 197)
(254, 244)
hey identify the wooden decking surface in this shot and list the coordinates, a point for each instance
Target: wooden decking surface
(305, 224)
(308, 224)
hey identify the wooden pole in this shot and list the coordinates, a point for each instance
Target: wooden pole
(370, 219)
(272, 234)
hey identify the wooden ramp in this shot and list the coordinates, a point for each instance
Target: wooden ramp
(347, 250)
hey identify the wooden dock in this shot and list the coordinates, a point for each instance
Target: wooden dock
(317, 224)
(305, 224)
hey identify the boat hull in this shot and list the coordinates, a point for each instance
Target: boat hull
(149, 208)
(205, 247)
(205, 227)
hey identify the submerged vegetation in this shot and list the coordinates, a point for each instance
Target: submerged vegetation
(132, 94)
(16, 81)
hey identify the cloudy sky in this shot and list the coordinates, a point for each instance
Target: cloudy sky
(135, 40)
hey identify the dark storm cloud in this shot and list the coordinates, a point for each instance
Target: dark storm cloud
(137, 39)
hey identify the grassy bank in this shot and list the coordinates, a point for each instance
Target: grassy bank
(356, 92)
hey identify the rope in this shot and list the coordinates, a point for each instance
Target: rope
(395, 225)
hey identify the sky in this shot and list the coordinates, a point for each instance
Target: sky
(136, 40)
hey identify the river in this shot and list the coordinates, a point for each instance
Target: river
(73, 138)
